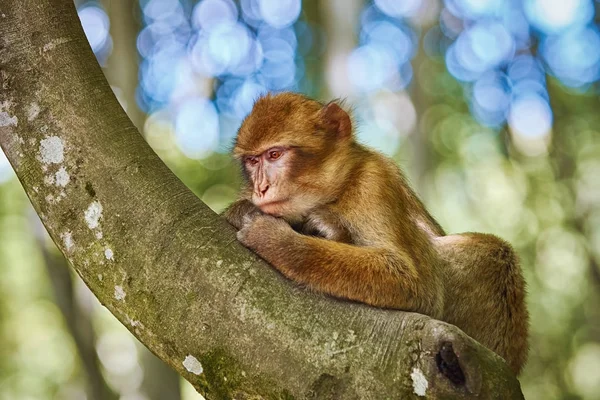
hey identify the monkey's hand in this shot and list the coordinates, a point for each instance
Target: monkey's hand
(236, 212)
(260, 231)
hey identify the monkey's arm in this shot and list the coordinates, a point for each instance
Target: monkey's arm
(379, 277)
(236, 212)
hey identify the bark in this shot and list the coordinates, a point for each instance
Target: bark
(171, 270)
(121, 71)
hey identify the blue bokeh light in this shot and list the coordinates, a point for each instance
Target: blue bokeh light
(154, 10)
(371, 67)
(491, 98)
(235, 97)
(382, 60)
(530, 116)
(167, 22)
(554, 16)
(307, 37)
(251, 12)
(515, 22)
(395, 8)
(240, 52)
(526, 66)
(279, 68)
(244, 97)
(279, 13)
(6, 171)
(266, 33)
(244, 48)
(209, 14)
(493, 55)
(479, 49)
(450, 24)
(223, 49)
(574, 57)
(96, 26)
(157, 76)
(528, 76)
(197, 128)
(475, 9)
(399, 41)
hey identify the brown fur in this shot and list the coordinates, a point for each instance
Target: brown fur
(372, 239)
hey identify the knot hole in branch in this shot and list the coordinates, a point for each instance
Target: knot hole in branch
(447, 363)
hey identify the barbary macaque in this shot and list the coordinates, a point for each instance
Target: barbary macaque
(339, 218)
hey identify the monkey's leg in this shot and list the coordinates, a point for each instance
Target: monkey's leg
(379, 277)
(236, 212)
(485, 293)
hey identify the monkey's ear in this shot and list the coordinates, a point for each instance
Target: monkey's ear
(336, 120)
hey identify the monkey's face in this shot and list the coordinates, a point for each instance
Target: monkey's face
(280, 182)
(286, 146)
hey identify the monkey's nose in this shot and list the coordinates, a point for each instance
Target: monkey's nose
(264, 189)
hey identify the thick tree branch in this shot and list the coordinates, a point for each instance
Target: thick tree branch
(172, 271)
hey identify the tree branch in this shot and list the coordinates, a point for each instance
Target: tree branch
(169, 268)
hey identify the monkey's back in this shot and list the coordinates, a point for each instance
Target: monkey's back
(485, 294)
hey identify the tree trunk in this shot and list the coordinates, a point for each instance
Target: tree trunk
(171, 270)
(121, 72)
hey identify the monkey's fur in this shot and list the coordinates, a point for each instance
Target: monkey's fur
(337, 217)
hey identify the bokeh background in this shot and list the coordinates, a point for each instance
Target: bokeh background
(490, 106)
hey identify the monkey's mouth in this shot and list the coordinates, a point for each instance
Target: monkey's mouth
(271, 207)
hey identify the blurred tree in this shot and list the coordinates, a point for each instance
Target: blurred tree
(313, 61)
(341, 17)
(170, 269)
(78, 321)
(575, 115)
(423, 155)
(121, 69)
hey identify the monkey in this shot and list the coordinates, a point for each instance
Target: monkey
(339, 218)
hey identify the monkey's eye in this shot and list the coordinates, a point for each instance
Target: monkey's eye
(274, 154)
(252, 160)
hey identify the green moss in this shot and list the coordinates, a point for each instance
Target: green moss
(191, 297)
(285, 395)
(223, 377)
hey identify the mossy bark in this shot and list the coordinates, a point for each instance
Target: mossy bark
(171, 270)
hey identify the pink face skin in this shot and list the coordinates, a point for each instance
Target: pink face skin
(265, 170)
